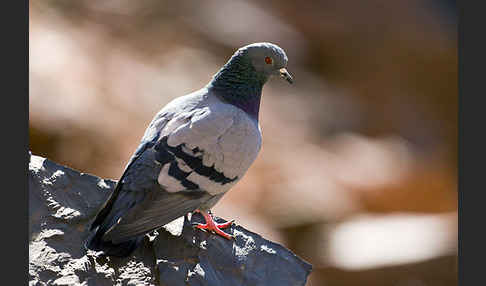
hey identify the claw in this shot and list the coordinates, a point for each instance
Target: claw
(213, 226)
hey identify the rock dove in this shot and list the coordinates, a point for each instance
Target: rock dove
(195, 149)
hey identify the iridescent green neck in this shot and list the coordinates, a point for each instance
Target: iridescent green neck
(238, 83)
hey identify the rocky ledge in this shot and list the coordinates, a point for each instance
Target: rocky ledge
(62, 204)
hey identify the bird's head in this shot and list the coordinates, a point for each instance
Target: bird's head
(253, 65)
(267, 59)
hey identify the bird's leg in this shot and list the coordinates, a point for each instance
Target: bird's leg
(213, 226)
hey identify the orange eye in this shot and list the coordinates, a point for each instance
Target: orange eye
(268, 60)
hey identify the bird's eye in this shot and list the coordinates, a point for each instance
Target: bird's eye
(268, 60)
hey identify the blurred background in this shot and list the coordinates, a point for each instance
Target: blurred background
(358, 170)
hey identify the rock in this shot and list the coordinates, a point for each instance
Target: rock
(62, 204)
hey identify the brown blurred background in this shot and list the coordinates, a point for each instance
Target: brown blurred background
(357, 174)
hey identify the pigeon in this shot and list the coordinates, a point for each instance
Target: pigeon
(195, 149)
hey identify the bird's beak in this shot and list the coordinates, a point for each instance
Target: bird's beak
(285, 74)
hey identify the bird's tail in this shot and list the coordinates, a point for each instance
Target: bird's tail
(123, 249)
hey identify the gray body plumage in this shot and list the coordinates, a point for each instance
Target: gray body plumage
(194, 150)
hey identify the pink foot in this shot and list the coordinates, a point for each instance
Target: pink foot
(213, 226)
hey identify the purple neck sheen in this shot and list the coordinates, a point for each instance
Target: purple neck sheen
(250, 106)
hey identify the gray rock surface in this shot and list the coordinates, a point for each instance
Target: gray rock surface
(62, 203)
